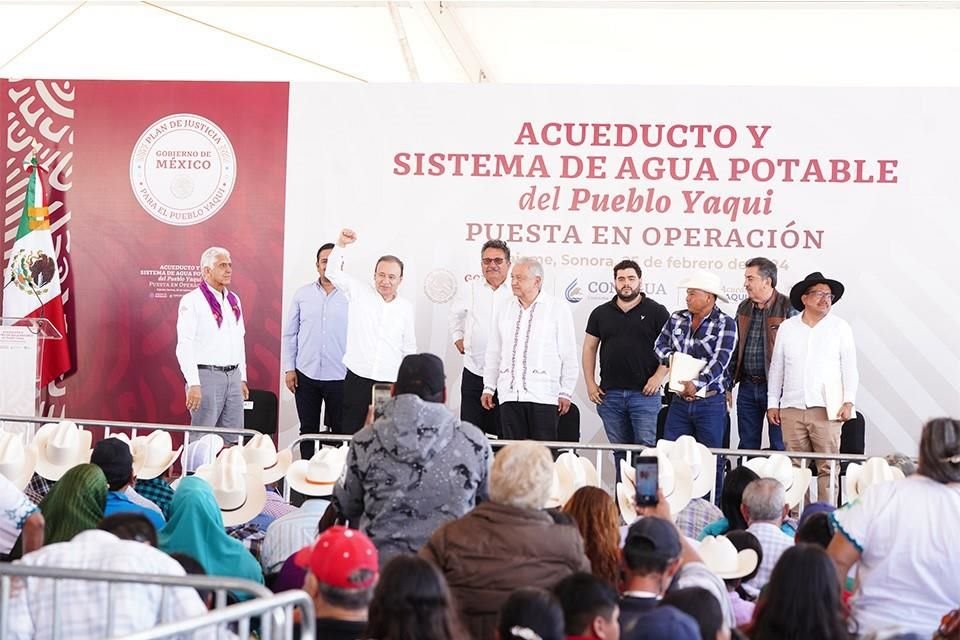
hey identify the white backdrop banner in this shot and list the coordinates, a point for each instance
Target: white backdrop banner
(857, 183)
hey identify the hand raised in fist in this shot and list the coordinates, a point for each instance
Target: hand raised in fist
(347, 236)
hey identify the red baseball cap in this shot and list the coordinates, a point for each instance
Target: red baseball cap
(341, 558)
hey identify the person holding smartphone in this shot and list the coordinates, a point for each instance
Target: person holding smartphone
(416, 467)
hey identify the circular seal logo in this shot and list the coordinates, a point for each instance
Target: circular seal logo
(440, 286)
(183, 169)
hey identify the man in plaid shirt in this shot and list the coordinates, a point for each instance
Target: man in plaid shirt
(704, 332)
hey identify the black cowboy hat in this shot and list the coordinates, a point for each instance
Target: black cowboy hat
(836, 288)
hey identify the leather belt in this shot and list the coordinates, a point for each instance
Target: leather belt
(708, 394)
(755, 379)
(216, 367)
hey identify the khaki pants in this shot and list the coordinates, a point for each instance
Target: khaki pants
(809, 430)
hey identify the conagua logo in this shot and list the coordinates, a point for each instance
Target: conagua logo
(183, 169)
(32, 271)
(573, 293)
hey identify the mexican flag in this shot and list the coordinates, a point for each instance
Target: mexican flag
(32, 279)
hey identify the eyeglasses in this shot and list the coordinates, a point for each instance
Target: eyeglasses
(821, 295)
(489, 261)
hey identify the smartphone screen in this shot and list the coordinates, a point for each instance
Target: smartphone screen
(647, 479)
(379, 397)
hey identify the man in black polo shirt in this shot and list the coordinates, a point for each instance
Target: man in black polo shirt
(624, 329)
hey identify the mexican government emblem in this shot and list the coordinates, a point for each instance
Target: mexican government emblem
(32, 270)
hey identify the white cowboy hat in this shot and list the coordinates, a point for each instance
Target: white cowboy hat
(261, 451)
(60, 447)
(135, 450)
(571, 473)
(555, 499)
(702, 463)
(723, 559)
(706, 281)
(156, 453)
(795, 480)
(318, 475)
(873, 471)
(17, 462)
(202, 452)
(674, 480)
(237, 486)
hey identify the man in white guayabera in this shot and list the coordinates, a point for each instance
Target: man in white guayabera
(210, 346)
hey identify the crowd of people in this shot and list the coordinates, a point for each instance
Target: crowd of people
(415, 530)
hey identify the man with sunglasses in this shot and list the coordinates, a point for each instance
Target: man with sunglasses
(813, 375)
(473, 316)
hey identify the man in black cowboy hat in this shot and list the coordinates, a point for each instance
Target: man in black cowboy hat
(813, 374)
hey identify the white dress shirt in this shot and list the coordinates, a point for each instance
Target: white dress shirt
(201, 341)
(379, 333)
(82, 603)
(808, 359)
(473, 316)
(532, 353)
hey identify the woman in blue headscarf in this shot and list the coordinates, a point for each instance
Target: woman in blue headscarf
(195, 527)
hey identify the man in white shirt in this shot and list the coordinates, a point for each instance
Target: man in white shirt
(814, 367)
(473, 316)
(18, 516)
(532, 360)
(81, 605)
(210, 346)
(380, 330)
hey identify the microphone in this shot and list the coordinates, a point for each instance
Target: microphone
(10, 281)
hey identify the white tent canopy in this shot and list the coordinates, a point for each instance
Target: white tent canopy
(656, 43)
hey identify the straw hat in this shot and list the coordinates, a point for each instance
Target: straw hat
(156, 454)
(237, 486)
(60, 447)
(571, 473)
(17, 462)
(318, 475)
(723, 559)
(261, 451)
(702, 463)
(555, 499)
(706, 281)
(674, 479)
(873, 471)
(795, 480)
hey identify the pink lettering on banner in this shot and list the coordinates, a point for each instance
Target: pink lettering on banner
(690, 169)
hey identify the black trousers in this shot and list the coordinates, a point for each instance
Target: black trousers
(529, 421)
(471, 388)
(310, 397)
(357, 398)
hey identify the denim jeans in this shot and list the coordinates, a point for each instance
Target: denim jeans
(629, 417)
(751, 413)
(704, 419)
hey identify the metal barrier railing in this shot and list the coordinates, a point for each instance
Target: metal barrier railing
(281, 603)
(111, 426)
(598, 449)
(218, 585)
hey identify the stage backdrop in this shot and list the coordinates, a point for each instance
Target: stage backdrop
(857, 183)
(145, 176)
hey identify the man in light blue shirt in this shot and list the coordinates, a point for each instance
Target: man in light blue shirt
(314, 341)
(113, 456)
